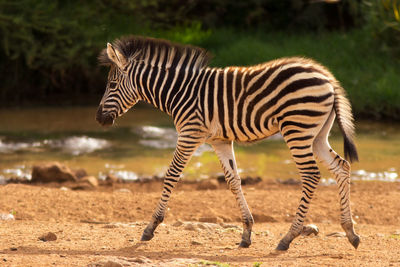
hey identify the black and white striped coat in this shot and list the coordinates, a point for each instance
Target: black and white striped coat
(294, 96)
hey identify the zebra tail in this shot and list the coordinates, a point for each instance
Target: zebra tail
(345, 120)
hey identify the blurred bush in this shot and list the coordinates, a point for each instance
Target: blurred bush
(383, 19)
(48, 48)
(249, 14)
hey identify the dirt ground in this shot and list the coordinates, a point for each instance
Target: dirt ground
(102, 226)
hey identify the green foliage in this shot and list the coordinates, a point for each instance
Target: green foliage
(48, 48)
(250, 14)
(383, 20)
(370, 76)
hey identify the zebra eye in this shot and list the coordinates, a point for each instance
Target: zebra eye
(113, 84)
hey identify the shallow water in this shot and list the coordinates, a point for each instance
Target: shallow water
(142, 143)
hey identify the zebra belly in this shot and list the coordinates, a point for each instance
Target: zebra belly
(242, 134)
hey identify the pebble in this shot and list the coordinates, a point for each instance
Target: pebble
(48, 237)
(6, 217)
(226, 225)
(112, 264)
(123, 190)
(112, 179)
(337, 234)
(190, 227)
(110, 226)
(309, 230)
(90, 180)
(177, 223)
(140, 259)
(196, 243)
(197, 226)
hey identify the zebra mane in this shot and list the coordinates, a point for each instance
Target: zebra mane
(138, 48)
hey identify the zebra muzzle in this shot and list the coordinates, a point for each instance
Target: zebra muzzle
(105, 119)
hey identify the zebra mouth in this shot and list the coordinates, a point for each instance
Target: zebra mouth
(105, 119)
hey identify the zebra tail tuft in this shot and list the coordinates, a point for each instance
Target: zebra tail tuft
(345, 120)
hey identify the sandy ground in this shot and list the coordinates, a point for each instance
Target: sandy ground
(202, 227)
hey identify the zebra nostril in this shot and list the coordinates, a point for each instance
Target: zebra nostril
(105, 119)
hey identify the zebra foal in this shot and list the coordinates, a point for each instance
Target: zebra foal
(294, 96)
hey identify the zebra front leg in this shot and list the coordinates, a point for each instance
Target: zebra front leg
(225, 153)
(184, 150)
(310, 176)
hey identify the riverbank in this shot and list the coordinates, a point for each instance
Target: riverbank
(103, 224)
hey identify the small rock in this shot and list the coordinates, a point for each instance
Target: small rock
(13, 249)
(210, 184)
(309, 230)
(112, 179)
(191, 227)
(251, 180)
(52, 172)
(140, 259)
(80, 173)
(15, 180)
(6, 217)
(207, 226)
(112, 264)
(177, 223)
(48, 237)
(110, 226)
(90, 180)
(123, 190)
(196, 243)
(63, 188)
(337, 234)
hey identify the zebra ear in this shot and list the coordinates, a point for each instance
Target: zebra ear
(115, 56)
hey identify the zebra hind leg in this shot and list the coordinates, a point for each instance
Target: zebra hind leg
(310, 176)
(224, 151)
(340, 169)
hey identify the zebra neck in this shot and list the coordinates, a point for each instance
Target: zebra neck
(167, 89)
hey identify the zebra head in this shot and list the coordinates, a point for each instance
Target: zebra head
(120, 95)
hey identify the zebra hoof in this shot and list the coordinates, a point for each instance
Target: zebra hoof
(146, 236)
(355, 242)
(282, 246)
(244, 244)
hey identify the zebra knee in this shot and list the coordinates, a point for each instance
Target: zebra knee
(234, 184)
